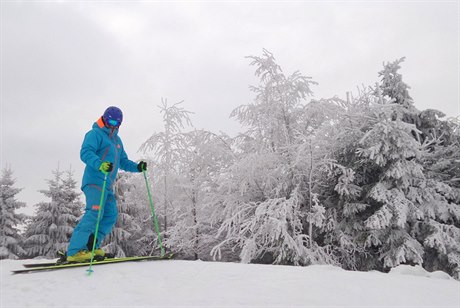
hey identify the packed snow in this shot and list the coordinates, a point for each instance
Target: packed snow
(171, 283)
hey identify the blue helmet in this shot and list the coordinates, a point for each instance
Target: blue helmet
(113, 116)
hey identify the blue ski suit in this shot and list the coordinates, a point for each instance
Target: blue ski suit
(100, 144)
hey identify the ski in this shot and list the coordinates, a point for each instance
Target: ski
(31, 265)
(72, 265)
(62, 260)
(58, 262)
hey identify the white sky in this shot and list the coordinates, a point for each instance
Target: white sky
(63, 63)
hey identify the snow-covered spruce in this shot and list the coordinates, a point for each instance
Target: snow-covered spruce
(50, 229)
(10, 238)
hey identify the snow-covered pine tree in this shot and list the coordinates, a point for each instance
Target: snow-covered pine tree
(10, 238)
(267, 195)
(390, 150)
(71, 196)
(389, 168)
(340, 189)
(439, 196)
(386, 115)
(51, 227)
(390, 172)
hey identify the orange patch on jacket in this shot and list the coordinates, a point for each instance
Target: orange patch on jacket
(100, 123)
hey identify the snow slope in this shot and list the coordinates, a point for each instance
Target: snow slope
(212, 284)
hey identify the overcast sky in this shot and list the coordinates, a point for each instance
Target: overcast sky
(63, 63)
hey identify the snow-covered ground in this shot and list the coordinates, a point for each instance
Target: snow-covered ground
(212, 284)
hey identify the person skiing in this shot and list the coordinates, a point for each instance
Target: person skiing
(103, 153)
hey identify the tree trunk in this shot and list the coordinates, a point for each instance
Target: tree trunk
(310, 176)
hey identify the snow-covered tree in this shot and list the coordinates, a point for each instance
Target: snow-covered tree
(205, 158)
(344, 185)
(71, 196)
(51, 227)
(393, 86)
(390, 148)
(184, 168)
(166, 149)
(272, 120)
(268, 195)
(392, 206)
(439, 232)
(10, 239)
(376, 211)
(369, 182)
(437, 194)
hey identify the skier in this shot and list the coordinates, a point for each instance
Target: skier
(102, 151)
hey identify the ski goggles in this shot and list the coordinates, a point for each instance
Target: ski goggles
(113, 123)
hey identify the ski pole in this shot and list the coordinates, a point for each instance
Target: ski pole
(154, 216)
(101, 204)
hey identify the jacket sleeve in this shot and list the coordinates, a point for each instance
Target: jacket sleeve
(88, 152)
(125, 163)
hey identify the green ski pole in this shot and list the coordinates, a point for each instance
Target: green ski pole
(101, 204)
(154, 216)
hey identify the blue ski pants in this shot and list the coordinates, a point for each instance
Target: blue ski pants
(86, 228)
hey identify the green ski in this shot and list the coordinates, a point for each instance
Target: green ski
(72, 265)
(62, 260)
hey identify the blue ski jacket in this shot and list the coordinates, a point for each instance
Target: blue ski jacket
(103, 144)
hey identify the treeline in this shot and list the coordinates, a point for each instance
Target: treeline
(367, 182)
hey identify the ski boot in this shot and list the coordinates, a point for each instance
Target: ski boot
(100, 255)
(79, 257)
(82, 256)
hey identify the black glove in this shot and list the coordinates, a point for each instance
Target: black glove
(142, 166)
